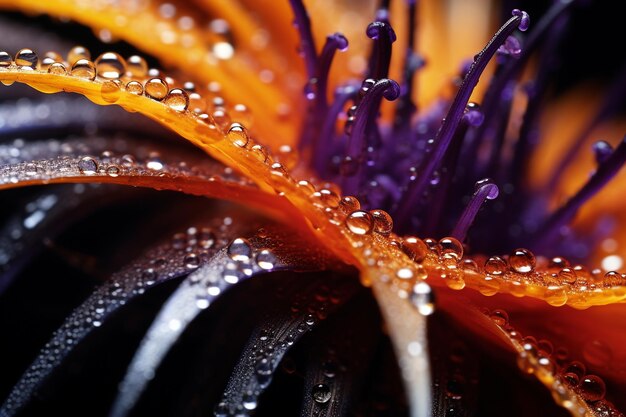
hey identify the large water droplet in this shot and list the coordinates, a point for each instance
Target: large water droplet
(84, 68)
(177, 100)
(240, 250)
(136, 66)
(383, 223)
(266, 259)
(423, 298)
(88, 165)
(238, 135)
(156, 89)
(26, 59)
(76, 53)
(110, 91)
(5, 59)
(522, 261)
(321, 393)
(110, 65)
(592, 388)
(360, 222)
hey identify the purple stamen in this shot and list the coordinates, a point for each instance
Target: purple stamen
(333, 43)
(307, 44)
(383, 35)
(605, 172)
(485, 190)
(454, 115)
(366, 114)
(602, 151)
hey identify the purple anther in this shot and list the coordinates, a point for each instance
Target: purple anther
(525, 19)
(485, 190)
(602, 151)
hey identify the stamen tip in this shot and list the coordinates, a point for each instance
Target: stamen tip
(524, 19)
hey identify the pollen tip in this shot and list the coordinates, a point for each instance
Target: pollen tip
(524, 19)
(374, 30)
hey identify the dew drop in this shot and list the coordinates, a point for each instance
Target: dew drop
(321, 393)
(415, 249)
(266, 259)
(263, 370)
(423, 298)
(522, 261)
(26, 58)
(360, 222)
(450, 249)
(57, 69)
(192, 261)
(238, 135)
(134, 87)
(348, 204)
(5, 59)
(567, 275)
(240, 250)
(113, 171)
(136, 66)
(495, 266)
(110, 91)
(83, 68)
(249, 401)
(110, 65)
(592, 388)
(177, 100)
(156, 89)
(76, 53)
(88, 166)
(383, 223)
(499, 317)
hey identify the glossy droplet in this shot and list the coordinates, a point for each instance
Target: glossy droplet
(110, 65)
(177, 100)
(383, 223)
(348, 204)
(26, 58)
(113, 171)
(263, 370)
(592, 388)
(57, 69)
(76, 53)
(110, 91)
(84, 68)
(240, 250)
(360, 222)
(134, 87)
(576, 368)
(495, 266)
(415, 249)
(567, 275)
(192, 261)
(522, 261)
(156, 89)
(238, 135)
(423, 298)
(499, 317)
(5, 59)
(266, 259)
(450, 248)
(321, 393)
(197, 104)
(329, 198)
(136, 66)
(88, 166)
(249, 401)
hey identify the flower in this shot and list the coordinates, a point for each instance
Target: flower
(142, 311)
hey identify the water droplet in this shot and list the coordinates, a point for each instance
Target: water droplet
(522, 261)
(31, 169)
(76, 53)
(495, 266)
(450, 249)
(567, 275)
(84, 68)
(113, 171)
(321, 393)
(423, 298)
(26, 58)
(5, 59)
(348, 204)
(266, 259)
(238, 135)
(110, 91)
(88, 166)
(110, 65)
(360, 222)
(192, 261)
(383, 223)
(240, 250)
(415, 249)
(592, 388)
(263, 370)
(57, 69)
(136, 66)
(156, 89)
(177, 100)
(206, 238)
(134, 87)
(249, 401)
(499, 317)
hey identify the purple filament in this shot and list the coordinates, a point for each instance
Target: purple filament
(384, 36)
(307, 44)
(486, 190)
(333, 43)
(451, 122)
